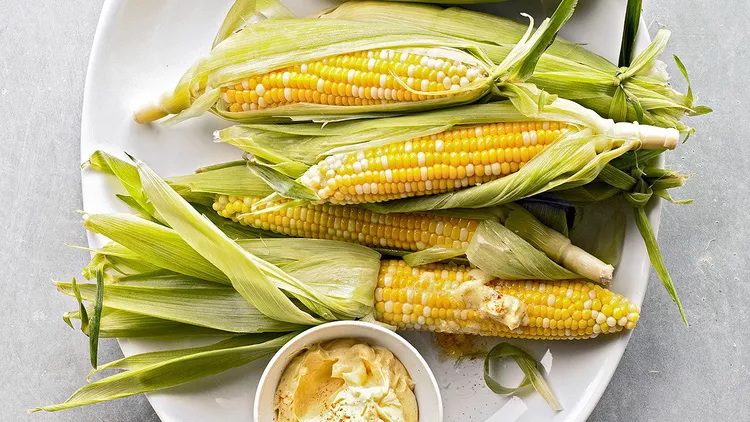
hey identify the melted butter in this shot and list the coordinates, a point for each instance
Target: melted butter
(344, 380)
(458, 346)
(479, 294)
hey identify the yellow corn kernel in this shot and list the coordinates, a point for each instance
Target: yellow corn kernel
(411, 232)
(362, 78)
(424, 166)
(549, 308)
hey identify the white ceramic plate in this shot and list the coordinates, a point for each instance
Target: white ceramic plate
(142, 47)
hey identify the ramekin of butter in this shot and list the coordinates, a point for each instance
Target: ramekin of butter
(348, 369)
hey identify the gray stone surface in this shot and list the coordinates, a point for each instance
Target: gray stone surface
(669, 372)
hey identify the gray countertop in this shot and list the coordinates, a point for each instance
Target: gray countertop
(669, 372)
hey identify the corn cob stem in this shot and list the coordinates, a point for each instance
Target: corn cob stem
(557, 246)
(461, 300)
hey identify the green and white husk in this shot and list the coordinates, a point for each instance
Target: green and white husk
(218, 308)
(271, 44)
(116, 323)
(155, 371)
(640, 92)
(529, 367)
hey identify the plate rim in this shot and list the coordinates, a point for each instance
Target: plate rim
(108, 12)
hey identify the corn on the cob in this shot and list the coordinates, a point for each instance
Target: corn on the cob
(456, 299)
(356, 79)
(589, 78)
(438, 163)
(408, 232)
(328, 69)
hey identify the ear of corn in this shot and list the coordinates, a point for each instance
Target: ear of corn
(432, 164)
(440, 151)
(326, 69)
(403, 232)
(641, 92)
(462, 301)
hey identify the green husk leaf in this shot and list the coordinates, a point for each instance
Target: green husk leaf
(599, 229)
(639, 158)
(646, 58)
(612, 176)
(135, 206)
(157, 244)
(432, 254)
(199, 106)
(528, 366)
(249, 275)
(232, 180)
(281, 183)
(83, 313)
(696, 111)
(96, 317)
(245, 12)
(220, 308)
(501, 253)
(592, 192)
(542, 39)
(144, 360)
(654, 253)
(630, 31)
(554, 217)
(343, 274)
(116, 323)
(664, 194)
(168, 369)
(126, 174)
(122, 264)
(618, 109)
(163, 279)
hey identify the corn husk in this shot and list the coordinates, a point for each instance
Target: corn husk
(116, 323)
(529, 367)
(244, 13)
(154, 371)
(218, 308)
(599, 228)
(640, 92)
(557, 246)
(500, 252)
(267, 45)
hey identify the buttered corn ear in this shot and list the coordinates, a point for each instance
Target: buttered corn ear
(409, 232)
(429, 165)
(356, 79)
(456, 299)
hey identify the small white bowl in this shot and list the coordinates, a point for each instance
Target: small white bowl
(426, 390)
